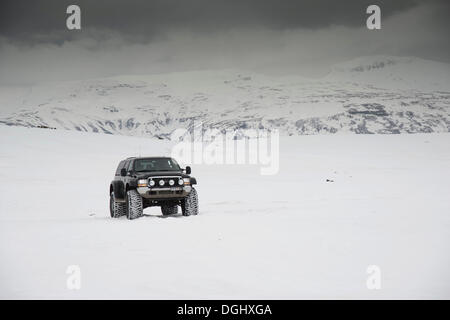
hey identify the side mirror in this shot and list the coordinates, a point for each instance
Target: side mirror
(188, 170)
(123, 172)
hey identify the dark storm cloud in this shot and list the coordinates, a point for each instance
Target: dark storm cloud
(141, 21)
(269, 36)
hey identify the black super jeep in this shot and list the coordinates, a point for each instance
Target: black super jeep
(156, 181)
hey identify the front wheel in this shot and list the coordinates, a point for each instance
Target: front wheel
(189, 205)
(134, 205)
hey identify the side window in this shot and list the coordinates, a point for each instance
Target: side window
(130, 165)
(127, 162)
(120, 166)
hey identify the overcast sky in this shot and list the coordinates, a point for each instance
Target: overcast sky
(270, 36)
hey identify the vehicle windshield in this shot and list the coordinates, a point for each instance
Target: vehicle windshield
(156, 164)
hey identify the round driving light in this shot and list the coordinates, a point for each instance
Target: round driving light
(151, 183)
(161, 182)
(171, 182)
(180, 182)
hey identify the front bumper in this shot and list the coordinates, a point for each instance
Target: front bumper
(164, 193)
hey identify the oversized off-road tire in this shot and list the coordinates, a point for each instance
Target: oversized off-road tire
(169, 209)
(116, 209)
(134, 205)
(189, 205)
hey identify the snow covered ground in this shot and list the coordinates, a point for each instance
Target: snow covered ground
(292, 235)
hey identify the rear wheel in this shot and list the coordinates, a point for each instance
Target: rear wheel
(169, 209)
(189, 205)
(134, 205)
(116, 209)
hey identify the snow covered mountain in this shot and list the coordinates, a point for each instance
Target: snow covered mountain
(394, 73)
(367, 95)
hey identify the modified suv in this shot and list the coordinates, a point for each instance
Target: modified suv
(154, 181)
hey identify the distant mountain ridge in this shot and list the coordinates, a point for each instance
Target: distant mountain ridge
(394, 73)
(367, 95)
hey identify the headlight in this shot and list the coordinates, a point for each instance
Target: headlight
(180, 182)
(187, 181)
(171, 182)
(161, 182)
(142, 182)
(152, 183)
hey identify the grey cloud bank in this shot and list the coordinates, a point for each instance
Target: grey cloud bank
(133, 37)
